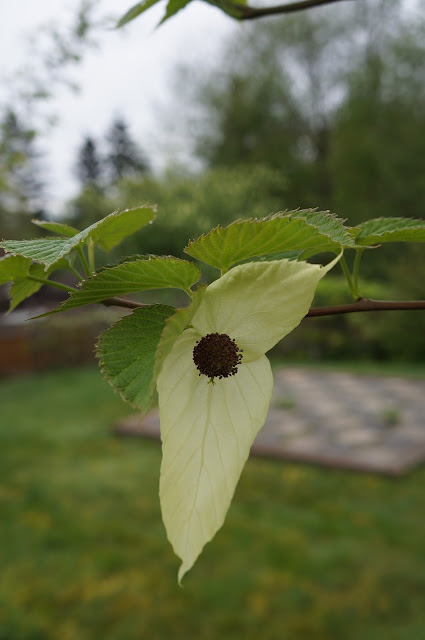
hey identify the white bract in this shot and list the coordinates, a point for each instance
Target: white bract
(208, 427)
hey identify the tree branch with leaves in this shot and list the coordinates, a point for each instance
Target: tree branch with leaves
(206, 362)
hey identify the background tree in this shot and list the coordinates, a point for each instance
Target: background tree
(22, 189)
(90, 204)
(89, 164)
(305, 93)
(99, 174)
(124, 158)
(52, 52)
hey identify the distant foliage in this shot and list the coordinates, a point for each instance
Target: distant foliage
(333, 100)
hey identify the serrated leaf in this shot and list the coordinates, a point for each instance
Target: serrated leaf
(141, 275)
(131, 258)
(107, 233)
(380, 230)
(110, 231)
(297, 230)
(174, 326)
(44, 250)
(173, 7)
(56, 227)
(284, 255)
(135, 11)
(328, 224)
(127, 353)
(13, 267)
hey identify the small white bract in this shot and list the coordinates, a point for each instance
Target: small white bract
(212, 409)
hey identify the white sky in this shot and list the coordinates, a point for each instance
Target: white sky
(129, 74)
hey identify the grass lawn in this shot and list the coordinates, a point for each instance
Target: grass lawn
(304, 554)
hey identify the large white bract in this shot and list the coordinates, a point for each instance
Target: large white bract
(207, 429)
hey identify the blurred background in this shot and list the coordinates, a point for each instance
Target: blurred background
(212, 121)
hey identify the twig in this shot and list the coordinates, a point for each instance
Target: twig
(250, 13)
(355, 307)
(367, 305)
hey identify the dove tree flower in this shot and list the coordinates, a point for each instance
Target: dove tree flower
(215, 388)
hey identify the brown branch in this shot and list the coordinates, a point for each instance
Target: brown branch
(122, 302)
(367, 305)
(250, 13)
(355, 307)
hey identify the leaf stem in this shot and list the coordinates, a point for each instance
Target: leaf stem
(53, 283)
(84, 262)
(359, 253)
(74, 271)
(347, 274)
(91, 256)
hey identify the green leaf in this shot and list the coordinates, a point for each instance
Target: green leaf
(135, 11)
(173, 7)
(233, 9)
(13, 267)
(380, 230)
(127, 353)
(24, 288)
(283, 255)
(298, 230)
(174, 326)
(110, 231)
(56, 227)
(140, 275)
(107, 232)
(45, 250)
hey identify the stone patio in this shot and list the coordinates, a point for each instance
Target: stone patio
(343, 420)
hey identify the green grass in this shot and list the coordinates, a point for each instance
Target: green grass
(304, 554)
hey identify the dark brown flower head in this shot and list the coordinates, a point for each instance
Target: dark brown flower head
(217, 355)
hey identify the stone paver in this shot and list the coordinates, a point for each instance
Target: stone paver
(336, 419)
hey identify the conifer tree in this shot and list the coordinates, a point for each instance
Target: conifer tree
(89, 164)
(124, 157)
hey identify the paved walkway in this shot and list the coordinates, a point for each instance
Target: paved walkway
(336, 419)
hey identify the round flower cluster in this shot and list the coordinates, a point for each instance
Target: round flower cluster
(217, 355)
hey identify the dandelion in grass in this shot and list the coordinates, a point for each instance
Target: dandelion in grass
(215, 388)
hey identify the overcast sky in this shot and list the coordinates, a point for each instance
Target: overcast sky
(128, 74)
